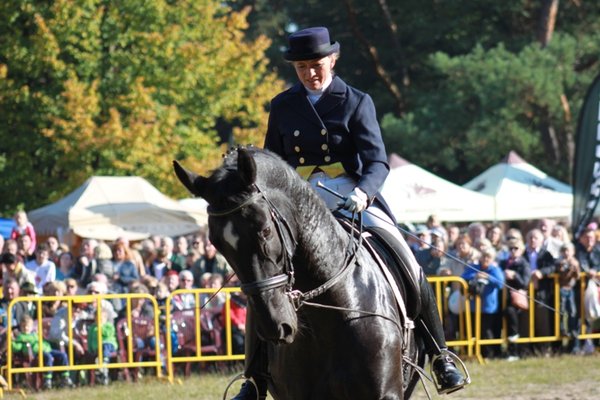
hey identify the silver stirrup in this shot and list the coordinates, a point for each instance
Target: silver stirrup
(460, 365)
(240, 377)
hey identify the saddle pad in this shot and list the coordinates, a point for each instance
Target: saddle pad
(408, 296)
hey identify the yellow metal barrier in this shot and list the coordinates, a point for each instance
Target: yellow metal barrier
(442, 288)
(468, 337)
(583, 323)
(198, 356)
(532, 338)
(70, 300)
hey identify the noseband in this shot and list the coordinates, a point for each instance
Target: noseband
(288, 241)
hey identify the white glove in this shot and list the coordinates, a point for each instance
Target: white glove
(356, 201)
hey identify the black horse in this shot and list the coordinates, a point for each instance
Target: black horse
(350, 340)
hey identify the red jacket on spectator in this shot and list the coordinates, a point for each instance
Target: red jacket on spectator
(237, 314)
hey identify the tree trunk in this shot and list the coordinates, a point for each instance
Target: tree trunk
(397, 47)
(549, 9)
(558, 145)
(569, 136)
(374, 56)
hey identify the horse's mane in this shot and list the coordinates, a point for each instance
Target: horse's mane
(276, 177)
(272, 173)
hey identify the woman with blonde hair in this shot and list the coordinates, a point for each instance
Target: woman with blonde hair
(561, 233)
(55, 289)
(125, 270)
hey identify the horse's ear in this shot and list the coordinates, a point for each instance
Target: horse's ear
(192, 181)
(246, 167)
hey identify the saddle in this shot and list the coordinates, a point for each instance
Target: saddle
(384, 248)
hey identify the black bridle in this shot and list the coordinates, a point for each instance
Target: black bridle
(286, 278)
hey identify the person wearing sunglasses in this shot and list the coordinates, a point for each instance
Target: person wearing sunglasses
(517, 273)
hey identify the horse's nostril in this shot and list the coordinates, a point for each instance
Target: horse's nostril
(285, 331)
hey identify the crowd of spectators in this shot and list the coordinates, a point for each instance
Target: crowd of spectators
(156, 266)
(490, 257)
(496, 256)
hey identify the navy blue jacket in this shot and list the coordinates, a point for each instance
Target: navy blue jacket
(341, 127)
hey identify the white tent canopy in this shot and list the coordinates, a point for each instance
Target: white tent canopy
(521, 191)
(110, 207)
(414, 194)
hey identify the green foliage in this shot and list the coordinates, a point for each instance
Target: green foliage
(96, 87)
(492, 101)
(121, 87)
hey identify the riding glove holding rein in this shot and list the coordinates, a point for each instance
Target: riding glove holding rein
(356, 201)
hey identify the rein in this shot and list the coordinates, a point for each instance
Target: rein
(297, 297)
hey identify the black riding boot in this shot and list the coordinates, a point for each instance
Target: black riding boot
(256, 365)
(448, 377)
(250, 392)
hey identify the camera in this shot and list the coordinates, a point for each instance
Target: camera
(477, 285)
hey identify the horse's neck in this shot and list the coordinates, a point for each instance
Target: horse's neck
(322, 243)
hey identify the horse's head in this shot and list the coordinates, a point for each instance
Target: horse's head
(251, 223)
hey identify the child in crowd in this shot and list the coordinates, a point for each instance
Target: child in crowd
(42, 267)
(108, 342)
(162, 293)
(28, 339)
(24, 227)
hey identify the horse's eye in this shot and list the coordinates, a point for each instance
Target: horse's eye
(266, 233)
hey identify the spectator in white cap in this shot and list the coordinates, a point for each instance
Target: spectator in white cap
(99, 288)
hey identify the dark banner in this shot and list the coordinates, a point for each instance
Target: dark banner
(586, 171)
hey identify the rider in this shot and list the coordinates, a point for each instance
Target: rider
(329, 132)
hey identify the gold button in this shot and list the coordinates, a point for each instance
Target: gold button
(324, 146)
(327, 158)
(297, 149)
(301, 160)
(323, 131)
(296, 132)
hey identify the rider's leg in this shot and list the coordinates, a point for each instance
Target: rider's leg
(428, 322)
(255, 364)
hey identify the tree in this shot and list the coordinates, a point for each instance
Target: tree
(122, 87)
(493, 101)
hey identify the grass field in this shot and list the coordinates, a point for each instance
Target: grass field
(555, 378)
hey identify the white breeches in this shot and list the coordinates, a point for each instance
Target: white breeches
(373, 216)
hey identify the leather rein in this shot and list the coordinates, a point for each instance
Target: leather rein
(287, 277)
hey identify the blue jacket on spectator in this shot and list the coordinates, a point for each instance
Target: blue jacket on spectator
(490, 295)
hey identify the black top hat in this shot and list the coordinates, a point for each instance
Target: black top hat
(310, 44)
